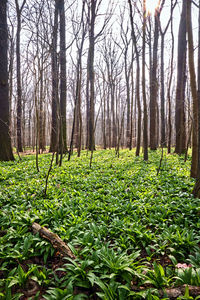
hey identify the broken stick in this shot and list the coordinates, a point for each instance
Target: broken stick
(54, 239)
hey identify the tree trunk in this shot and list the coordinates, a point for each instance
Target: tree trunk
(63, 83)
(5, 140)
(137, 82)
(154, 87)
(132, 109)
(11, 71)
(196, 190)
(169, 88)
(19, 87)
(114, 125)
(91, 74)
(104, 116)
(128, 110)
(162, 94)
(145, 119)
(193, 90)
(41, 109)
(108, 122)
(54, 125)
(180, 90)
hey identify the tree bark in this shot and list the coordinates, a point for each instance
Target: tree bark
(154, 86)
(193, 86)
(54, 125)
(90, 67)
(162, 94)
(169, 88)
(63, 81)
(5, 140)
(145, 119)
(19, 87)
(137, 82)
(181, 80)
(196, 190)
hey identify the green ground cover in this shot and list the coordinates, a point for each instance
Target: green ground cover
(134, 233)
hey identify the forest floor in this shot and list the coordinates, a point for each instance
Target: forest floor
(135, 234)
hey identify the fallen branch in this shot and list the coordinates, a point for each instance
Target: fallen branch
(54, 239)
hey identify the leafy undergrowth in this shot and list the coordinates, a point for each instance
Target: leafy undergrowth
(134, 233)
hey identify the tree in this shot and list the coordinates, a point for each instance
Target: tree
(63, 83)
(137, 80)
(145, 118)
(54, 70)
(19, 87)
(93, 10)
(162, 81)
(90, 71)
(181, 80)
(154, 85)
(111, 59)
(5, 140)
(193, 91)
(196, 190)
(77, 119)
(169, 87)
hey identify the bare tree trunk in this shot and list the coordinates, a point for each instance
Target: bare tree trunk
(54, 125)
(79, 115)
(154, 87)
(181, 79)
(77, 119)
(63, 83)
(196, 190)
(132, 104)
(104, 116)
(91, 73)
(29, 127)
(169, 87)
(162, 77)
(10, 72)
(108, 123)
(193, 90)
(114, 126)
(5, 149)
(128, 109)
(41, 109)
(87, 108)
(76, 104)
(145, 119)
(137, 82)
(162, 94)
(19, 88)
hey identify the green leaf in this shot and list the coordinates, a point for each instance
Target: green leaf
(14, 281)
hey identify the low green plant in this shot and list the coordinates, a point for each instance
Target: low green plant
(157, 276)
(194, 259)
(118, 217)
(19, 276)
(63, 294)
(42, 275)
(189, 276)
